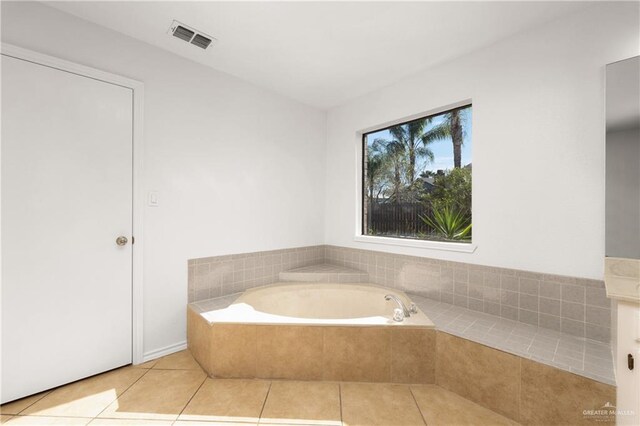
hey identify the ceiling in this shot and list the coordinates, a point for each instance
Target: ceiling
(323, 53)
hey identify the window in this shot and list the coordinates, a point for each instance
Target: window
(416, 179)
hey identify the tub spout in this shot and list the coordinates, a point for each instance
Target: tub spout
(405, 311)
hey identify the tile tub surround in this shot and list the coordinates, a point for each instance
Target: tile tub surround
(216, 276)
(584, 357)
(524, 390)
(307, 352)
(571, 305)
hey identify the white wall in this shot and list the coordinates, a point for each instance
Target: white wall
(237, 168)
(538, 142)
(240, 169)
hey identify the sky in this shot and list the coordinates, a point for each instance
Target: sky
(442, 150)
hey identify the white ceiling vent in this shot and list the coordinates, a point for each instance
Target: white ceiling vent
(190, 35)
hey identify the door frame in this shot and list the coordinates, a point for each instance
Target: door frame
(137, 88)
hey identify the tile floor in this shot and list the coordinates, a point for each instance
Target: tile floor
(175, 391)
(585, 357)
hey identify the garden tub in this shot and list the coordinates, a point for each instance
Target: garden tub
(314, 332)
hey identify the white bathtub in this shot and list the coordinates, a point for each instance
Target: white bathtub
(317, 304)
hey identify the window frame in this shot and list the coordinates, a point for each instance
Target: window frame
(360, 236)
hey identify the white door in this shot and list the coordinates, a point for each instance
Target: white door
(66, 197)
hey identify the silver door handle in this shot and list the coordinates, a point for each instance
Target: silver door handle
(122, 240)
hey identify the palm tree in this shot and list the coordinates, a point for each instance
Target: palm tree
(414, 139)
(394, 165)
(373, 166)
(383, 175)
(377, 163)
(454, 123)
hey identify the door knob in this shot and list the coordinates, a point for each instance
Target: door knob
(122, 240)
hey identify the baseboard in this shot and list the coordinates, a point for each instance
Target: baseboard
(167, 350)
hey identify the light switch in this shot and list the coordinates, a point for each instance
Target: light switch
(153, 199)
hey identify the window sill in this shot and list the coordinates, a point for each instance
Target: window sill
(431, 245)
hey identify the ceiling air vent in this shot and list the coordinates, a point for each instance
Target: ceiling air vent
(201, 41)
(190, 35)
(183, 33)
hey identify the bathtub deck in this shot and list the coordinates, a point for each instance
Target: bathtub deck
(584, 357)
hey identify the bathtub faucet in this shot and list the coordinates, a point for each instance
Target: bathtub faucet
(405, 312)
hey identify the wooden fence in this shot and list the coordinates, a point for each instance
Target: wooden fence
(402, 219)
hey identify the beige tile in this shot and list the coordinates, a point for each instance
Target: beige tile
(373, 404)
(359, 354)
(182, 360)
(486, 376)
(130, 422)
(554, 397)
(231, 400)
(17, 406)
(299, 424)
(43, 421)
(303, 403)
(233, 351)
(289, 352)
(441, 407)
(88, 397)
(160, 394)
(210, 423)
(413, 355)
(147, 365)
(199, 339)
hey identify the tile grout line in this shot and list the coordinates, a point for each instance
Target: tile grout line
(520, 390)
(340, 399)
(324, 348)
(78, 417)
(192, 396)
(124, 391)
(59, 416)
(264, 404)
(45, 393)
(415, 401)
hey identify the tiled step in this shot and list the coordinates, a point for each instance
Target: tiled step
(325, 273)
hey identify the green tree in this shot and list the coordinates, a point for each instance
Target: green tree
(378, 163)
(413, 139)
(394, 167)
(452, 189)
(455, 121)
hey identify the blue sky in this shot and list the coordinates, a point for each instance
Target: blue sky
(442, 150)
